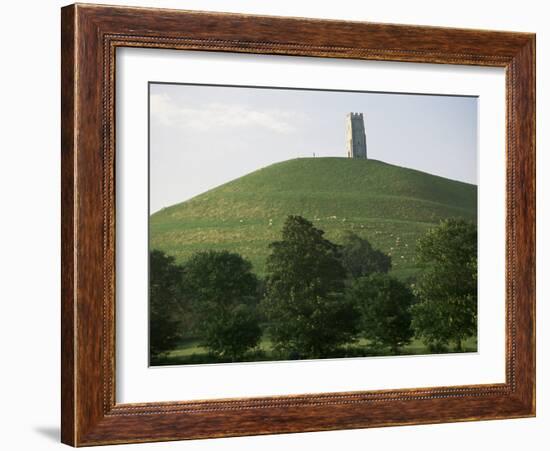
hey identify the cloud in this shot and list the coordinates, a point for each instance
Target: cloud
(216, 115)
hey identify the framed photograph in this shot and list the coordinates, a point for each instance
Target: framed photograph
(278, 225)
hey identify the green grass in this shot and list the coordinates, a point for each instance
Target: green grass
(389, 205)
(190, 351)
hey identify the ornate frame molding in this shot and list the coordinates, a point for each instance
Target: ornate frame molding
(90, 36)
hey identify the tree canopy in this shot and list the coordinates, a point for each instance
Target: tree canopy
(384, 303)
(223, 290)
(308, 315)
(316, 300)
(360, 259)
(447, 285)
(166, 302)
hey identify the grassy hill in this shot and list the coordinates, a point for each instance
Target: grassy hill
(389, 205)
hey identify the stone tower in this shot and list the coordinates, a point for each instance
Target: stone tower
(356, 139)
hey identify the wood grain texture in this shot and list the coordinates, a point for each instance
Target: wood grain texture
(90, 36)
(68, 312)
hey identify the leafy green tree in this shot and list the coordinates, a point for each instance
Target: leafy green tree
(384, 303)
(232, 332)
(308, 315)
(360, 259)
(166, 303)
(447, 285)
(223, 290)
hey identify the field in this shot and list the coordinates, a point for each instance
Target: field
(389, 205)
(189, 352)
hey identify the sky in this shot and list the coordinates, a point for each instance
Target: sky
(202, 136)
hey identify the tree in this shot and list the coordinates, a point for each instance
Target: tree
(165, 303)
(223, 290)
(359, 258)
(230, 333)
(309, 316)
(447, 285)
(384, 303)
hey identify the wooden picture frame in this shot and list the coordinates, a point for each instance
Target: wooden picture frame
(90, 412)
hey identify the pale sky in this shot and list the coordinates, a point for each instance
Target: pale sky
(204, 136)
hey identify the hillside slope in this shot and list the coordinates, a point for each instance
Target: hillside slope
(389, 205)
